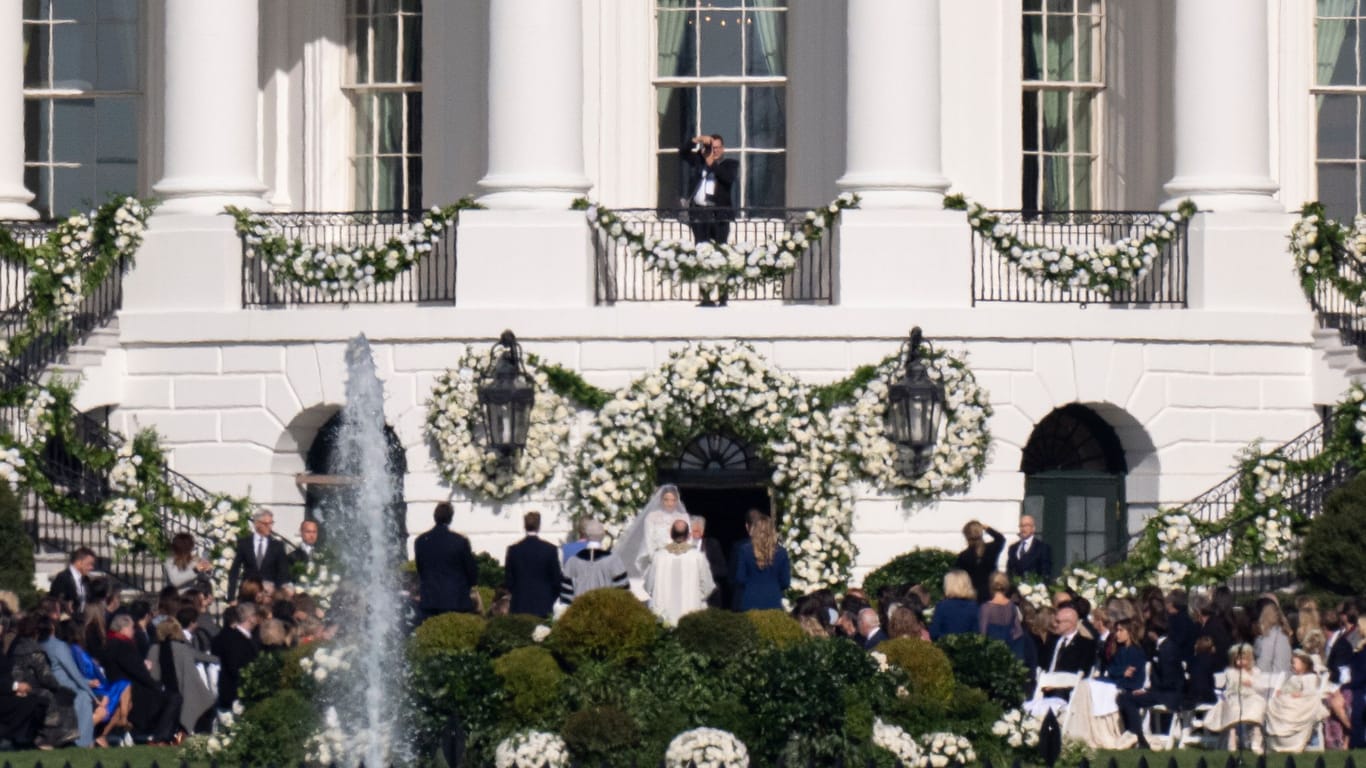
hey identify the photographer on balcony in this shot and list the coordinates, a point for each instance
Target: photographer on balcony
(710, 181)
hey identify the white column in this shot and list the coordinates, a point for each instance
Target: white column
(211, 104)
(893, 135)
(535, 104)
(1222, 106)
(14, 198)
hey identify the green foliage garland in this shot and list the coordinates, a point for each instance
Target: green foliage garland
(1322, 246)
(570, 385)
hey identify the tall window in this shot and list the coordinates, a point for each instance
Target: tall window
(1063, 85)
(82, 95)
(722, 70)
(1340, 93)
(385, 87)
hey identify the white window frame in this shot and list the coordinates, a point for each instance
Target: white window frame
(355, 91)
(1359, 91)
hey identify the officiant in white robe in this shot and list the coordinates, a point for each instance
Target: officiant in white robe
(679, 577)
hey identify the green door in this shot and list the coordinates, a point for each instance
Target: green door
(1080, 514)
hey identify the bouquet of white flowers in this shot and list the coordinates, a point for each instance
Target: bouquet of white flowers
(706, 748)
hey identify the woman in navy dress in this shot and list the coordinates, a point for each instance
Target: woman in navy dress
(956, 614)
(762, 570)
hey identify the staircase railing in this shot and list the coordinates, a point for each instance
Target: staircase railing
(1339, 311)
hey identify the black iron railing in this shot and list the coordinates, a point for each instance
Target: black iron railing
(620, 276)
(1338, 311)
(431, 279)
(996, 278)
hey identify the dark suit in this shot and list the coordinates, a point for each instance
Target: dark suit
(720, 573)
(1078, 655)
(446, 572)
(533, 576)
(1038, 561)
(64, 589)
(20, 716)
(1340, 655)
(273, 567)
(873, 640)
(1167, 687)
(298, 559)
(155, 710)
(1219, 632)
(234, 651)
(712, 220)
(1182, 631)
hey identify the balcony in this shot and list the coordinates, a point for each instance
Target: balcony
(620, 276)
(996, 279)
(431, 280)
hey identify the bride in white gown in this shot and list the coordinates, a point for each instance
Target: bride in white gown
(650, 530)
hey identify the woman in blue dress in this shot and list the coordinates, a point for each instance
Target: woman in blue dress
(762, 570)
(119, 703)
(956, 614)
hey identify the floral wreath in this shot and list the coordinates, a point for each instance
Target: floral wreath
(337, 268)
(531, 749)
(709, 747)
(454, 425)
(961, 455)
(719, 265)
(1104, 268)
(726, 386)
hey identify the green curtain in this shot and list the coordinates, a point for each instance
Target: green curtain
(1054, 54)
(771, 39)
(1329, 37)
(673, 30)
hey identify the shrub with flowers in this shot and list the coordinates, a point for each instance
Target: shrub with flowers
(1105, 268)
(1036, 593)
(532, 749)
(456, 428)
(336, 268)
(894, 739)
(706, 748)
(1328, 252)
(941, 750)
(1095, 587)
(1018, 728)
(725, 266)
(964, 442)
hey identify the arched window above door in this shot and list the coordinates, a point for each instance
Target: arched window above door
(1073, 438)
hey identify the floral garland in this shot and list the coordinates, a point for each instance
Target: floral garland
(705, 387)
(318, 581)
(961, 454)
(1095, 587)
(894, 739)
(531, 749)
(1104, 268)
(719, 265)
(1036, 593)
(940, 750)
(1018, 728)
(339, 268)
(706, 748)
(454, 425)
(1319, 245)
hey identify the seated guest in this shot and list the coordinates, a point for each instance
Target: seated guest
(1167, 688)
(904, 621)
(235, 649)
(69, 675)
(21, 713)
(31, 666)
(999, 619)
(154, 708)
(1200, 688)
(956, 614)
(1296, 708)
(1272, 646)
(175, 664)
(1244, 704)
(113, 716)
(1096, 718)
(870, 629)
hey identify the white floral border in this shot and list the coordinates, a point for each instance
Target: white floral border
(706, 748)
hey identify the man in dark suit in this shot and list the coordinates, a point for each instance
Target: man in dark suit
(21, 713)
(870, 629)
(1030, 557)
(308, 547)
(716, 562)
(1166, 686)
(71, 585)
(259, 556)
(1181, 629)
(533, 571)
(156, 711)
(235, 649)
(710, 181)
(1067, 650)
(446, 570)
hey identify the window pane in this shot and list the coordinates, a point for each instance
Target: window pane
(1029, 121)
(118, 10)
(721, 112)
(73, 189)
(766, 118)
(766, 183)
(414, 183)
(383, 6)
(117, 54)
(669, 172)
(677, 116)
(766, 43)
(720, 38)
(390, 106)
(37, 120)
(389, 183)
(1076, 514)
(1033, 5)
(1337, 126)
(74, 138)
(1056, 183)
(412, 49)
(74, 64)
(117, 126)
(1086, 48)
(115, 177)
(1055, 136)
(1337, 189)
(1082, 104)
(364, 124)
(1061, 57)
(1061, 6)
(386, 49)
(1081, 184)
(36, 50)
(1095, 544)
(360, 47)
(82, 11)
(360, 171)
(414, 124)
(1033, 47)
(676, 51)
(1030, 182)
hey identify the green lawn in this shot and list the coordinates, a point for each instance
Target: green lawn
(114, 757)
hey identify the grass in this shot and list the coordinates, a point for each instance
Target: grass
(116, 757)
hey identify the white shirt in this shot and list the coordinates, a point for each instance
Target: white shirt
(706, 187)
(80, 582)
(678, 582)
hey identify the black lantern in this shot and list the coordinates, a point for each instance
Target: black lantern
(915, 405)
(506, 394)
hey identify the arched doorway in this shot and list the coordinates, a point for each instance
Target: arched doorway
(1074, 484)
(721, 478)
(328, 495)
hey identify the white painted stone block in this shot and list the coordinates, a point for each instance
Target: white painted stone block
(1149, 397)
(220, 459)
(1009, 426)
(219, 391)
(549, 252)
(253, 359)
(1091, 368)
(1054, 366)
(178, 426)
(280, 399)
(146, 392)
(200, 256)
(1239, 261)
(1289, 392)
(1214, 391)
(1123, 373)
(999, 385)
(616, 355)
(1175, 425)
(1189, 358)
(304, 375)
(332, 371)
(1032, 397)
(1001, 355)
(182, 359)
(1272, 427)
(810, 355)
(431, 356)
(1248, 358)
(902, 258)
(255, 426)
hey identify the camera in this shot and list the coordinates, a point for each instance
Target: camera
(702, 148)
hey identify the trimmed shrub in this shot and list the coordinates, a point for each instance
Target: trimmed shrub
(506, 633)
(277, 726)
(717, 634)
(928, 668)
(1333, 554)
(981, 662)
(531, 677)
(485, 599)
(455, 686)
(920, 566)
(776, 627)
(447, 632)
(605, 624)
(16, 550)
(491, 572)
(601, 736)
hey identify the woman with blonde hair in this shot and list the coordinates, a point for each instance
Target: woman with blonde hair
(762, 569)
(999, 619)
(902, 621)
(980, 557)
(1243, 707)
(1272, 646)
(956, 614)
(1306, 618)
